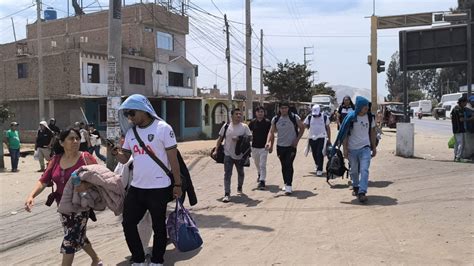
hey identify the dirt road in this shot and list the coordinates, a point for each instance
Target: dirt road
(420, 211)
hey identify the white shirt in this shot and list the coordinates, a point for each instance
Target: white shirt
(317, 126)
(233, 130)
(158, 137)
(359, 134)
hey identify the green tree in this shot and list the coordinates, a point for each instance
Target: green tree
(289, 81)
(321, 88)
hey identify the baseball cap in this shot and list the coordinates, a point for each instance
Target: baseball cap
(316, 110)
(14, 124)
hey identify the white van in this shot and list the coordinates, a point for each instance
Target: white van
(448, 106)
(423, 106)
(327, 102)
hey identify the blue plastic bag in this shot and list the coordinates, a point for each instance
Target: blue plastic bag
(182, 229)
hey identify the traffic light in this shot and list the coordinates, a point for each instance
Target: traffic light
(380, 66)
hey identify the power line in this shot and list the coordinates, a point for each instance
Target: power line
(19, 11)
(326, 36)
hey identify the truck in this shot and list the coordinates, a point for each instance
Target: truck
(327, 102)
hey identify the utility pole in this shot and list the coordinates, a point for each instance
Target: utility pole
(248, 61)
(13, 25)
(306, 61)
(40, 62)
(227, 56)
(114, 77)
(373, 63)
(261, 67)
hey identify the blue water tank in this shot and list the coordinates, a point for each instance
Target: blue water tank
(50, 14)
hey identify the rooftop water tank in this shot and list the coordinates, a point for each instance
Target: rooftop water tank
(50, 14)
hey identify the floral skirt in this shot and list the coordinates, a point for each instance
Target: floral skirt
(74, 226)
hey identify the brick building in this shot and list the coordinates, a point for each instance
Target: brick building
(75, 68)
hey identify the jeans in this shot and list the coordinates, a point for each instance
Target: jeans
(97, 153)
(260, 157)
(15, 157)
(459, 145)
(228, 165)
(359, 161)
(317, 146)
(287, 156)
(137, 202)
(43, 153)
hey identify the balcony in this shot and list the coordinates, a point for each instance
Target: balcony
(179, 91)
(93, 89)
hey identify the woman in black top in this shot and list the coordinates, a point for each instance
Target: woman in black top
(345, 107)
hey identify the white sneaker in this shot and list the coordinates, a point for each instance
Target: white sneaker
(226, 199)
(288, 190)
(283, 188)
(319, 173)
(155, 264)
(139, 264)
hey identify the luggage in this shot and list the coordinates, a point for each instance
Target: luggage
(182, 229)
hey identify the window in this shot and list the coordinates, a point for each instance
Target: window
(102, 114)
(93, 73)
(137, 76)
(22, 70)
(175, 79)
(164, 41)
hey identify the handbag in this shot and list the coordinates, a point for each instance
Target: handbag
(182, 229)
(53, 195)
(219, 157)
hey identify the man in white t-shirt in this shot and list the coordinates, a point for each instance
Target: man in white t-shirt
(151, 188)
(231, 133)
(360, 147)
(319, 135)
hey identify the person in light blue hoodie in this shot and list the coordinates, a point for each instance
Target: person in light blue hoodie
(358, 137)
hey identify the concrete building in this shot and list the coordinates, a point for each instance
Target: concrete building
(75, 68)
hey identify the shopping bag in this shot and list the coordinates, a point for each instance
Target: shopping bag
(451, 142)
(182, 229)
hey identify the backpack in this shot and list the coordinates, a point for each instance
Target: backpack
(336, 165)
(292, 117)
(220, 150)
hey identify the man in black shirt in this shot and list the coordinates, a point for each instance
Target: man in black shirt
(260, 126)
(458, 120)
(43, 144)
(53, 127)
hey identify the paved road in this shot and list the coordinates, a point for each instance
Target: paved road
(430, 125)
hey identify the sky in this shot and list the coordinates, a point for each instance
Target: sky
(338, 31)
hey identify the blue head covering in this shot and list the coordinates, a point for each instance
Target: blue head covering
(135, 102)
(471, 99)
(350, 117)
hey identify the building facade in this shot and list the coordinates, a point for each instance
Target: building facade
(75, 68)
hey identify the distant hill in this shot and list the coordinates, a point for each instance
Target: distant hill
(343, 90)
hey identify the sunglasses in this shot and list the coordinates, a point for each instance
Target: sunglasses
(127, 113)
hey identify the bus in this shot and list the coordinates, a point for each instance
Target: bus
(327, 102)
(422, 107)
(448, 101)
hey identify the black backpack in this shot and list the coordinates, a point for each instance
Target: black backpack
(336, 165)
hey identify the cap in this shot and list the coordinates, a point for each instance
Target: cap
(44, 123)
(316, 110)
(462, 99)
(14, 124)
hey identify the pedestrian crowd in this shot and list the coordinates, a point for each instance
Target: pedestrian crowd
(149, 157)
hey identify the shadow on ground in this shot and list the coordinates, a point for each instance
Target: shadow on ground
(374, 200)
(242, 199)
(221, 221)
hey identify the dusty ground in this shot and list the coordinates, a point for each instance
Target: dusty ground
(420, 211)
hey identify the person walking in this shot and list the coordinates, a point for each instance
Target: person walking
(85, 137)
(230, 134)
(68, 159)
(12, 140)
(260, 126)
(53, 127)
(96, 142)
(319, 135)
(290, 129)
(345, 107)
(151, 188)
(458, 121)
(357, 133)
(43, 144)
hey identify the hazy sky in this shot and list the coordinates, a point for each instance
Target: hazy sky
(337, 29)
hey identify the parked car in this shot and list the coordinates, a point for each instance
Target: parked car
(392, 113)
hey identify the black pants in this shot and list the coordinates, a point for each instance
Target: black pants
(317, 150)
(137, 202)
(287, 156)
